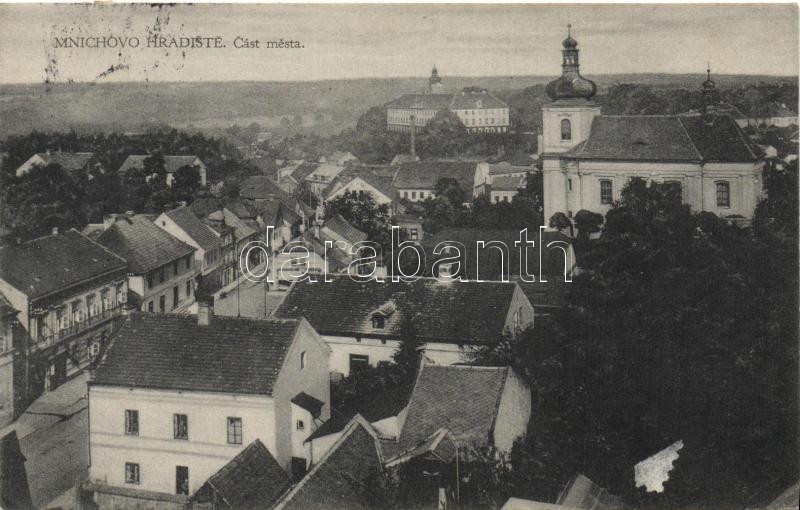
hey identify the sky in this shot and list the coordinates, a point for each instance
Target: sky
(384, 41)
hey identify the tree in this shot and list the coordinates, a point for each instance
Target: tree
(409, 350)
(365, 214)
(186, 183)
(560, 222)
(443, 136)
(449, 188)
(587, 223)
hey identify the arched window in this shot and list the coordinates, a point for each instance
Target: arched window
(303, 360)
(723, 194)
(606, 192)
(566, 129)
(675, 188)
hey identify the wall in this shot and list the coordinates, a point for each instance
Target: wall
(171, 279)
(358, 184)
(314, 380)
(521, 307)
(580, 117)
(513, 413)
(155, 450)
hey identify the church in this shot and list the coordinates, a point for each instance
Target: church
(588, 157)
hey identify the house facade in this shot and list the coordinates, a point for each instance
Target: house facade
(162, 272)
(74, 163)
(171, 165)
(363, 323)
(161, 423)
(416, 182)
(69, 294)
(589, 157)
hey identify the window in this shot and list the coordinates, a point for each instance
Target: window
(188, 261)
(414, 195)
(162, 304)
(358, 361)
(91, 305)
(569, 184)
(234, 430)
(181, 480)
(150, 280)
(414, 234)
(131, 473)
(150, 307)
(180, 426)
(175, 296)
(175, 267)
(378, 322)
(302, 360)
(566, 129)
(161, 276)
(421, 195)
(131, 422)
(188, 289)
(606, 194)
(723, 194)
(105, 299)
(300, 425)
(674, 187)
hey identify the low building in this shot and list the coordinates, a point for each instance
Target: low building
(376, 180)
(162, 272)
(74, 163)
(70, 293)
(364, 322)
(505, 187)
(416, 182)
(350, 474)
(176, 397)
(171, 165)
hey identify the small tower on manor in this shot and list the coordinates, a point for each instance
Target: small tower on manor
(435, 82)
(710, 96)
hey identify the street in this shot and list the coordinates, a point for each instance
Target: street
(248, 300)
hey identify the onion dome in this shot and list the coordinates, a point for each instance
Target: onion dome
(571, 85)
(709, 83)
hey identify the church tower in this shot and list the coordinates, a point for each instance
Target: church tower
(435, 82)
(566, 122)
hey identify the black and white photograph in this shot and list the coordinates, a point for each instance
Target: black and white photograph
(423, 256)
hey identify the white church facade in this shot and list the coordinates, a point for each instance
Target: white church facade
(588, 157)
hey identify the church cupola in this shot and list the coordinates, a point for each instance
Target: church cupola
(435, 81)
(710, 93)
(571, 85)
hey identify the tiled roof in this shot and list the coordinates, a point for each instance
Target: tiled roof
(664, 138)
(260, 187)
(69, 161)
(552, 259)
(304, 170)
(583, 493)
(341, 226)
(337, 259)
(348, 477)
(174, 352)
(55, 262)
(241, 229)
(454, 312)
(425, 174)
(379, 177)
(171, 163)
(508, 183)
(422, 101)
(203, 206)
(194, 228)
(239, 208)
(309, 403)
(462, 399)
(460, 101)
(507, 168)
(145, 246)
(250, 481)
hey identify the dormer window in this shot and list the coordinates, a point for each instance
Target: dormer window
(302, 360)
(378, 321)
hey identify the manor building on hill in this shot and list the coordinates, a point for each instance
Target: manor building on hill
(478, 110)
(588, 157)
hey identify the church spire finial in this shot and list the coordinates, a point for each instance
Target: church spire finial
(569, 29)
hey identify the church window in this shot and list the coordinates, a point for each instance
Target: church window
(675, 188)
(606, 193)
(566, 129)
(723, 194)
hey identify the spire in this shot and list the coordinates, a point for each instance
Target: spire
(710, 95)
(571, 85)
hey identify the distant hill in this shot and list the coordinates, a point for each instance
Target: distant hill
(322, 107)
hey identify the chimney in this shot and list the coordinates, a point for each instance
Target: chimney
(55, 231)
(204, 313)
(315, 229)
(129, 213)
(108, 220)
(413, 149)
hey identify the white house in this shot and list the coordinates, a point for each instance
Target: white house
(73, 163)
(416, 182)
(176, 397)
(588, 157)
(364, 322)
(185, 226)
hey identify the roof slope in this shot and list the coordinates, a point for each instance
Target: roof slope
(172, 352)
(665, 138)
(475, 101)
(347, 477)
(51, 263)
(342, 227)
(171, 163)
(260, 187)
(194, 228)
(69, 161)
(422, 101)
(508, 183)
(145, 246)
(462, 399)
(425, 174)
(453, 312)
(250, 481)
(379, 177)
